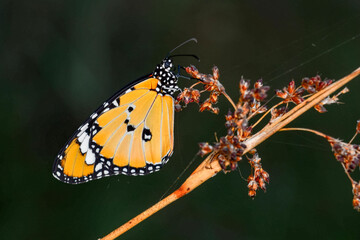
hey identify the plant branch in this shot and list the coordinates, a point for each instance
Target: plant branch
(210, 166)
(203, 172)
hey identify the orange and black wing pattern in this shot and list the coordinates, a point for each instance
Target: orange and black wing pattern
(131, 133)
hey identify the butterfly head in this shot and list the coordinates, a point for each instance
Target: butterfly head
(168, 80)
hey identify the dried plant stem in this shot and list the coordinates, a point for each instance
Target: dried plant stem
(264, 115)
(352, 139)
(348, 174)
(197, 83)
(210, 167)
(203, 172)
(305, 130)
(229, 99)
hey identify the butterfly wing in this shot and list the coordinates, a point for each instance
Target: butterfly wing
(131, 134)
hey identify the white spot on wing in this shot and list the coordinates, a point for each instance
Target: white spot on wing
(82, 137)
(98, 167)
(115, 103)
(85, 144)
(94, 115)
(90, 157)
(82, 129)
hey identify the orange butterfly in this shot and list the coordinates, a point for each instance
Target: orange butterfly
(132, 133)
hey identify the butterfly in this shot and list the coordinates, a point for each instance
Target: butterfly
(131, 133)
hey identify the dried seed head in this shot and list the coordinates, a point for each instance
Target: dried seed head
(291, 93)
(315, 84)
(277, 112)
(346, 153)
(258, 175)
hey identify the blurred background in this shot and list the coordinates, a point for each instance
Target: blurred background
(60, 60)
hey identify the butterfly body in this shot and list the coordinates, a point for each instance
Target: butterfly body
(131, 133)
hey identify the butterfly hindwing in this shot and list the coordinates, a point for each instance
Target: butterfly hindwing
(131, 133)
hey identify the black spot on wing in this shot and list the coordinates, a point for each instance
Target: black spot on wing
(146, 134)
(130, 128)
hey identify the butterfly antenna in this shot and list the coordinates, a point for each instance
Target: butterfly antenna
(189, 40)
(185, 55)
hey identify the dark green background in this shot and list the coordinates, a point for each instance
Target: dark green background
(61, 59)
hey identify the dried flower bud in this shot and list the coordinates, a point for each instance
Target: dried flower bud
(233, 165)
(356, 199)
(291, 94)
(178, 107)
(265, 175)
(221, 158)
(216, 110)
(253, 151)
(253, 185)
(205, 105)
(216, 73)
(356, 204)
(320, 108)
(205, 148)
(213, 97)
(252, 193)
(262, 184)
(192, 70)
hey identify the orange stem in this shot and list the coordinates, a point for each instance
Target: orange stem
(203, 172)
